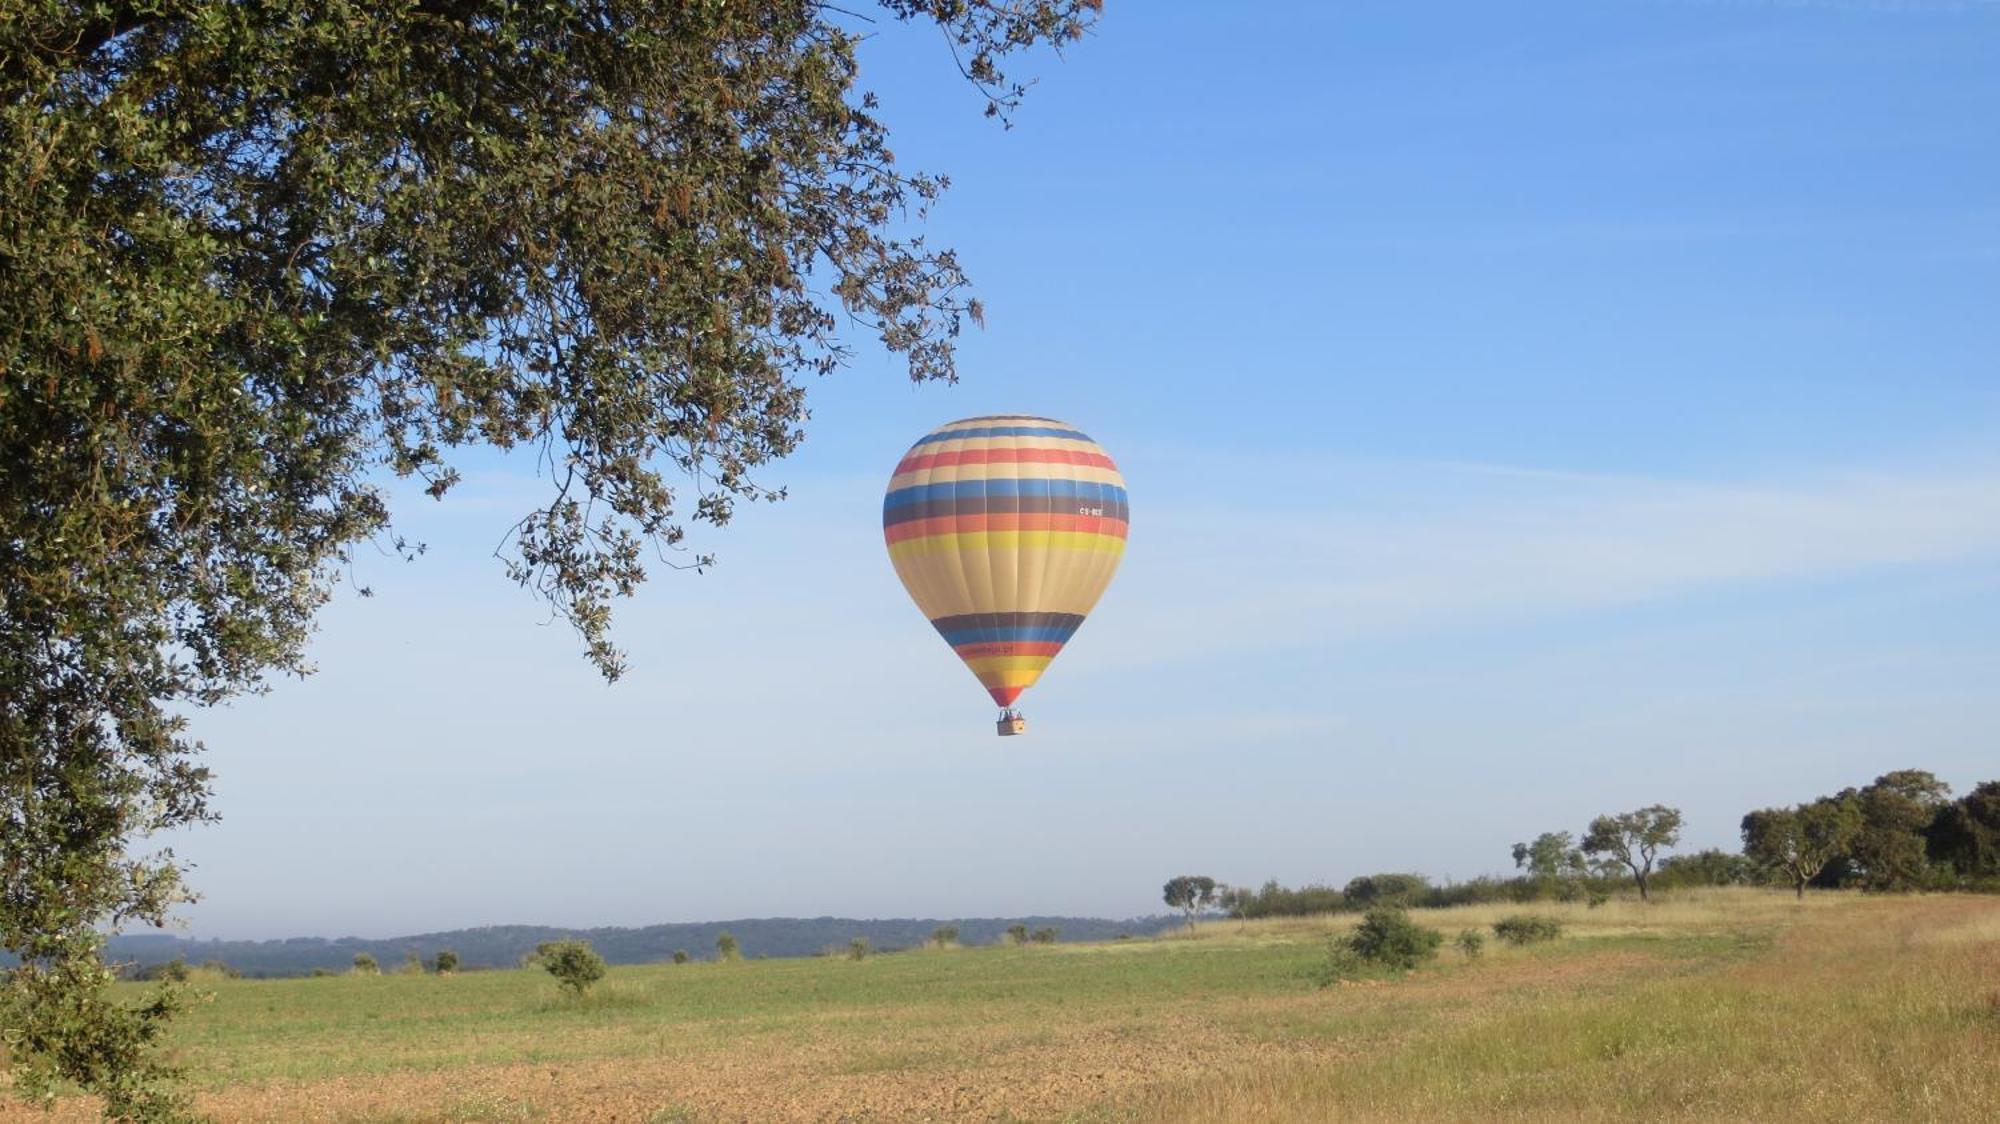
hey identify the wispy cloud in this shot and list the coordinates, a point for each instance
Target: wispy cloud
(1448, 545)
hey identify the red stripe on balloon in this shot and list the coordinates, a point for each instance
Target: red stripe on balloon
(1082, 457)
(987, 648)
(1004, 521)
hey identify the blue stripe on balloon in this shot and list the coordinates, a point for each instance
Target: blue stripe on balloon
(1089, 493)
(1045, 635)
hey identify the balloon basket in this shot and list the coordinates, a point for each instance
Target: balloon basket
(1010, 723)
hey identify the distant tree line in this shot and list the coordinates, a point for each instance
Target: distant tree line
(1902, 832)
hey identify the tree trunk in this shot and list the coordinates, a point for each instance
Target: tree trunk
(1641, 880)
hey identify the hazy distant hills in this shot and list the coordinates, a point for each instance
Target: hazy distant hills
(502, 946)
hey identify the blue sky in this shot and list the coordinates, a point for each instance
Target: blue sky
(1530, 410)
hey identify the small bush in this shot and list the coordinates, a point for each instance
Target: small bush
(1527, 928)
(365, 965)
(857, 949)
(727, 948)
(412, 965)
(1017, 934)
(447, 962)
(680, 956)
(1388, 937)
(1471, 942)
(1044, 936)
(573, 963)
(944, 936)
(320, 973)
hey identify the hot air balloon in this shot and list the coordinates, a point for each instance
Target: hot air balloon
(1006, 530)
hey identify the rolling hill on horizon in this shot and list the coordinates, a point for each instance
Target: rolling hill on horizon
(503, 946)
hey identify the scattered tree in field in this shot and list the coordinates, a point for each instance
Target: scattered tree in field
(857, 949)
(680, 956)
(726, 948)
(447, 962)
(1045, 935)
(1017, 933)
(1633, 839)
(1385, 889)
(1553, 862)
(1527, 928)
(1708, 867)
(1897, 810)
(1388, 937)
(1965, 834)
(1472, 943)
(1799, 842)
(365, 965)
(944, 936)
(574, 964)
(260, 254)
(1189, 893)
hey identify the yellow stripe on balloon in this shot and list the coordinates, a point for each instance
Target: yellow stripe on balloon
(984, 541)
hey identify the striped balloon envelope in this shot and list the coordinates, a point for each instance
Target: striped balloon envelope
(1006, 530)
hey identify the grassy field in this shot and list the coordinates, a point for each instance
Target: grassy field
(1710, 1006)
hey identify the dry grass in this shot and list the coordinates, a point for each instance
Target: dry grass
(1741, 1005)
(1862, 1010)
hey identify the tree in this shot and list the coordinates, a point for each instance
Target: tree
(1634, 838)
(1017, 933)
(1896, 811)
(1965, 834)
(260, 255)
(1708, 867)
(447, 962)
(726, 947)
(1800, 841)
(365, 965)
(680, 956)
(1190, 893)
(574, 964)
(1552, 861)
(1385, 889)
(1045, 935)
(858, 949)
(944, 936)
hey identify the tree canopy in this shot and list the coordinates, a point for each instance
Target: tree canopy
(257, 255)
(1634, 839)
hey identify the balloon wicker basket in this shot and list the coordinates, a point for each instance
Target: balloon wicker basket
(1010, 723)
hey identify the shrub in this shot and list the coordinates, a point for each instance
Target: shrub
(1017, 934)
(726, 947)
(680, 956)
(1388, 937)
(364, 965)
(573, 963)
(857, 949)
(1044, 936)
(1527, 928)
(319, 973)
(1471, 942)
(944, 936)
(413, 965)
(447, 961)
